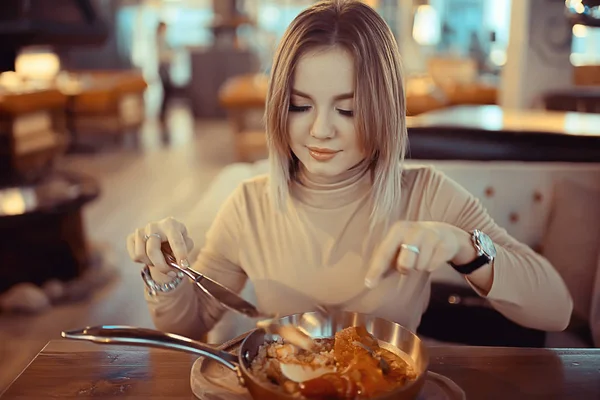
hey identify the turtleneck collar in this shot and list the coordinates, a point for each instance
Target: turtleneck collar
(332, 192)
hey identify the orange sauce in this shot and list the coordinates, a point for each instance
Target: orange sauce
(359, 375)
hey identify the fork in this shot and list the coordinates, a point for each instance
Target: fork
(384, 365)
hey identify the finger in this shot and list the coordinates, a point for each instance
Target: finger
(155, 254)
(408, 257)
(179, 241)
(440, 257)
(153, 250)
(429, 242)
(178, 245)
(398, 266)
(409, 250)
(384, 256)
(131, 246)
(189, 243)
(184, 230)
(172, 223)
(140, 248)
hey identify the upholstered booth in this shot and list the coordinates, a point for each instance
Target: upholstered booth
(553, 207)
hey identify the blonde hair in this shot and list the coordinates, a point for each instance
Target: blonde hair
(379, 110)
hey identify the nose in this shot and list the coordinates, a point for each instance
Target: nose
(321, 127)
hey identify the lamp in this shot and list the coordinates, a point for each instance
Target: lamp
(40, 64)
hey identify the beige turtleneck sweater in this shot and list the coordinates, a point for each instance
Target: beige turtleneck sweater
(319, 251)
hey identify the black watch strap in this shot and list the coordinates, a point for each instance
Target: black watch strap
(474, 265)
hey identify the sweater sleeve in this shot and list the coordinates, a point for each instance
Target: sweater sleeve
(187, 310)
(526, 288)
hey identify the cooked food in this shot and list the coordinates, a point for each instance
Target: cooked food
(339, 368)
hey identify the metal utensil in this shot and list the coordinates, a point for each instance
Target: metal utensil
(228, 298)
(232, 301)
(383, 365)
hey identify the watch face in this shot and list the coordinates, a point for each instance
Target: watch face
(487, 246)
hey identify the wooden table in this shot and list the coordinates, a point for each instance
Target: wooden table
(490, 133)
(68, 369)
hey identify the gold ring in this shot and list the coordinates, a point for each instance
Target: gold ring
(410, 247)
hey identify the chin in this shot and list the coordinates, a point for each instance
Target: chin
(324, 169)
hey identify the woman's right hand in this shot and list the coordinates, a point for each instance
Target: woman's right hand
(144, 244)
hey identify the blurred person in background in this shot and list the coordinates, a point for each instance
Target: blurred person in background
(165, 57)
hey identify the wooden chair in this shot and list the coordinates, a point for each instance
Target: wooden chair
(32, 133)
(458, 79)
(243, 97)
(107, 103)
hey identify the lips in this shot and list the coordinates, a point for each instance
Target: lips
(322, 150)
(321, 154)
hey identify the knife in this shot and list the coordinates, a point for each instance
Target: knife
(232, 301)
(226, 297)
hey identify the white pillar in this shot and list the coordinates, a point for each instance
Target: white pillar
(537, 57)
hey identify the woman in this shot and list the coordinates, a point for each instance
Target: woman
(165, 57)
(339, 221)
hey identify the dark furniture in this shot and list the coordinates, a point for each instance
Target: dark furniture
(578, 99)
(43, 236)
(43, 229)
(489, 133)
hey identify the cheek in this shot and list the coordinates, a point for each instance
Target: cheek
(297, 130)
(353, 140)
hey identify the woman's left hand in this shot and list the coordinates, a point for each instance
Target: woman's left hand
(422, 246)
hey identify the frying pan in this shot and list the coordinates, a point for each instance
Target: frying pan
(391, 336)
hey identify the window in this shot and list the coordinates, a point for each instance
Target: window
(585, 46)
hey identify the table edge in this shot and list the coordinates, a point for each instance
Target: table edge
(27, 366)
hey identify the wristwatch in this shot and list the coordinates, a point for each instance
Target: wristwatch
(486, 252)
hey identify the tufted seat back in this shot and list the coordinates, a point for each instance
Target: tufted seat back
(518, 195)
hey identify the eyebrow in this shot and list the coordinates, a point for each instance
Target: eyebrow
(342, 96)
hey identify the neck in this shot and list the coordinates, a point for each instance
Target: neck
(309, 179)
(332, 191)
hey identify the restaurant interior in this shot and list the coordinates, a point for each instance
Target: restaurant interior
(98, 138)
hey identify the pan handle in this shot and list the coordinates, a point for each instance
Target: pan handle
(133, 336)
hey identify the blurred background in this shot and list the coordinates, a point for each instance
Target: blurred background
(115, 113)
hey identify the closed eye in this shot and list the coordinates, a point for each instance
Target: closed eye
(294, 108)
(346, 113)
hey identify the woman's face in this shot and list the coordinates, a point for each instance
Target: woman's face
(321, 114)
